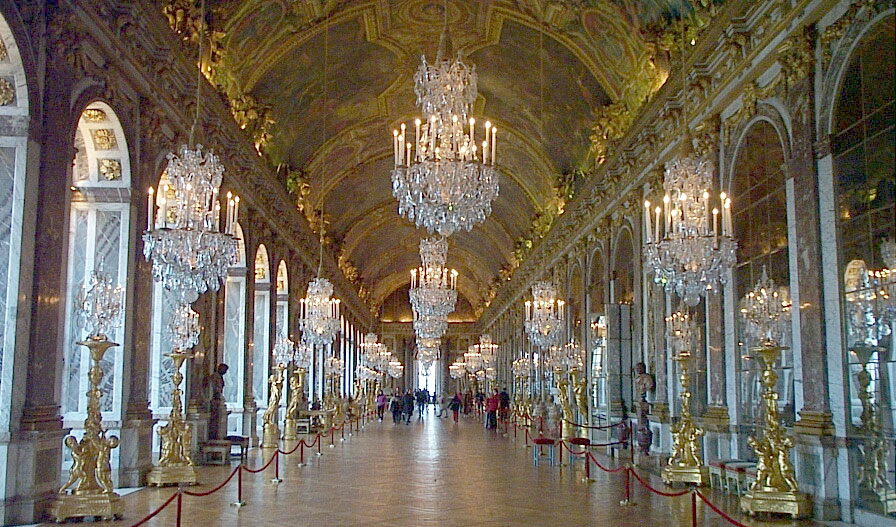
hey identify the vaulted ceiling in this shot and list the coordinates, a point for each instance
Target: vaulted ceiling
(338, 132)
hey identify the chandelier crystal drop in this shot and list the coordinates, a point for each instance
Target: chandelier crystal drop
(319, 316)
(766, 312)
(442, 179)
(428, 351)
(430, 327)
(189, 252)
(544, 315)
(687, 249)
(433, 290)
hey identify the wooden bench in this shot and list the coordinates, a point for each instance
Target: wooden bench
(242, 442)
(215, 452)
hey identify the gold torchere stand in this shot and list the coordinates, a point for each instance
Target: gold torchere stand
(686, 464)
(874, 490)
(175, 462)
(91, 468)
(775, 489)
(270, 437)
(297, 389)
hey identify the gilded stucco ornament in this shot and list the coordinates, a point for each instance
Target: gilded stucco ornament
(7, 93)
(4, 54)
(110, 169)
(611, 124)
(834, 32)
(797, 55)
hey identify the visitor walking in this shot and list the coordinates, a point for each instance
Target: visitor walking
(380, 405)
(491, 410)
(407, 404)
(396, 408)
(454, 405)
(504, 407)
(422, 397)
(443, 406)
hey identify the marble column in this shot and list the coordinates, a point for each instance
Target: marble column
(250, 409)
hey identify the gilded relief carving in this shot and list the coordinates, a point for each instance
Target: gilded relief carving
(92, 115)
(104, 139)
(110, 169)
(7, 93)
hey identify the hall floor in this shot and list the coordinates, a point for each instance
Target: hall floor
(427, 473)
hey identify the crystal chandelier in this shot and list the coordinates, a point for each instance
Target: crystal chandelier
(99, 306)
(567, 357)
(486, 348)
(766, 312)
(681, 329)
(687, 249)
(428, 351)
(544, 315)
(333, 366)
(870, 307)
(430, 327)
(189, 253)
(302, 353)
(473, 360)
(521, 367)
(319, 313)
(284, 350)
(396, 369)
(433, 286)
(457, 369)
(442, 179)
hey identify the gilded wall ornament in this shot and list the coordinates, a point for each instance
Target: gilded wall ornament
(93, 115)
(104, 139)
(797, 55)
(4, 54)
(110, 169)
(7, 93)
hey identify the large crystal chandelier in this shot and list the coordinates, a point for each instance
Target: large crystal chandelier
(396, 369)
(433, 286)
(567, 357)
(189, 252)
(544, 315)
(442, 179)
(687, 249)
(319, 313)
(430, 327)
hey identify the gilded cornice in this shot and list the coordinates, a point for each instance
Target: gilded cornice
(742, 42)
(136, 38)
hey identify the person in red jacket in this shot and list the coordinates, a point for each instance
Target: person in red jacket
(491, 410)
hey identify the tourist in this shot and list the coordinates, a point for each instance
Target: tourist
(443, 406)
(505, 403)
(422, 397)
(407, 405)
(396, 408)
(380, 405)
(491, 410)
(468, 402)
(480, 402)
(454, 405)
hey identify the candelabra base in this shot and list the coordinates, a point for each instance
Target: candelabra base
(795, 504)
(271, 436)
(97, 504)
(172, 475)
(698, 475)
(882, 501)
(290, 430)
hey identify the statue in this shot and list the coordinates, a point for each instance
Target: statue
(644, 383)
(103, 466)
(276, 382)
(83, 454)
(213, 388)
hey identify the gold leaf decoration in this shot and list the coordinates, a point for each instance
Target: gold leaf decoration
(7, 93)
(110, 169)
(93, 115)
(104, 139)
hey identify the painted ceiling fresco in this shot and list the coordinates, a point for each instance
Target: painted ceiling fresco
(545, 68)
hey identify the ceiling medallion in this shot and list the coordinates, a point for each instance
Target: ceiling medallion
(443, 180)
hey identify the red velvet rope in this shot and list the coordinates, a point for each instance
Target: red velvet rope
(655, 491)
(598, 427)
(216, 489)
(153, 514)
(571, 451)
(605, 469)
(718, 511)
(266, 465)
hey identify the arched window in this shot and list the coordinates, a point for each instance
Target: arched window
(597, 332)
(98, 240)
(235, 336)
(261, 349)
(14, 117)
(865, 180)
(282, 300)
(759, 192)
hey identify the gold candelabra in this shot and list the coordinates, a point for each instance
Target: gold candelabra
(685, 464)
(175, 462)
(91, 469)
(271, 433)
(297, 390)
(874, 489)
(775, 489)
